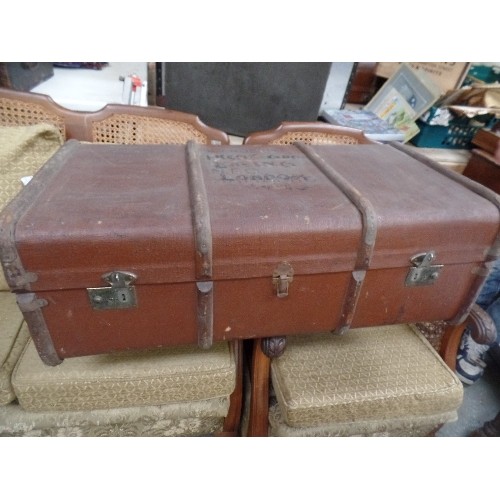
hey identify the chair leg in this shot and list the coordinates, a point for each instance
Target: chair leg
(482, 328)
(233, 417)
(259, 398)
(450, 344)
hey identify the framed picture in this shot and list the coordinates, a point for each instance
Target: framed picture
(447, 75)
(407, 89)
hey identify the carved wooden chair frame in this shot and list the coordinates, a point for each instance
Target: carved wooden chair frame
(115, 123)
(308, 133)
(24, 108)
(143, 125)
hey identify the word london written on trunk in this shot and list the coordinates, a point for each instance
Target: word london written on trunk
(272, 171)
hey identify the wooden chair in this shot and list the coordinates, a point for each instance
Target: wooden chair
(308, 133)
(303, 403)
(483, 167)
(121, 124)
(181, 391)
(24, 108)
(115, 123)
(115, 395)
(383, 381)
(317, 133)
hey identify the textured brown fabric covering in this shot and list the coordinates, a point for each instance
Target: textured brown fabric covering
(369, 374)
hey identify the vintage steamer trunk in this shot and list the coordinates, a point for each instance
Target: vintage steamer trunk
(115, 247)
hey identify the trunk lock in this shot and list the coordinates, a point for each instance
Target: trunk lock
(423, 272)
(120, 295)
(282, 277)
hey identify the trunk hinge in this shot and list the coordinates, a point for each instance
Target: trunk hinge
(29, 302)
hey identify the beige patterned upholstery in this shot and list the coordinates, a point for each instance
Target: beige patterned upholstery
(391, 427)
(433, 332)
(359, 382)
(12, 342)
(23, 150)
(199, 418)
(155, 377)
(180, 391)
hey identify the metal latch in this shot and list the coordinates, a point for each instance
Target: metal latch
(423, 272)
(120, 295)
(282, 277)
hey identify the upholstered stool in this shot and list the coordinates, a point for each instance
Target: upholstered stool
(12, 341)
(174, 391)
(201, 418)
(385, 381)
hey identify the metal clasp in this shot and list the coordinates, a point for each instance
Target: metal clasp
(423, 271)
(282, 277)
(120, 295)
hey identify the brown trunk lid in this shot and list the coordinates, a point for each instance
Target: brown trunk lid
(128, 207)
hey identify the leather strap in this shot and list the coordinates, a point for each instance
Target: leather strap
(369, 234)
(18, 279)
(202, 231)
(31, 306)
